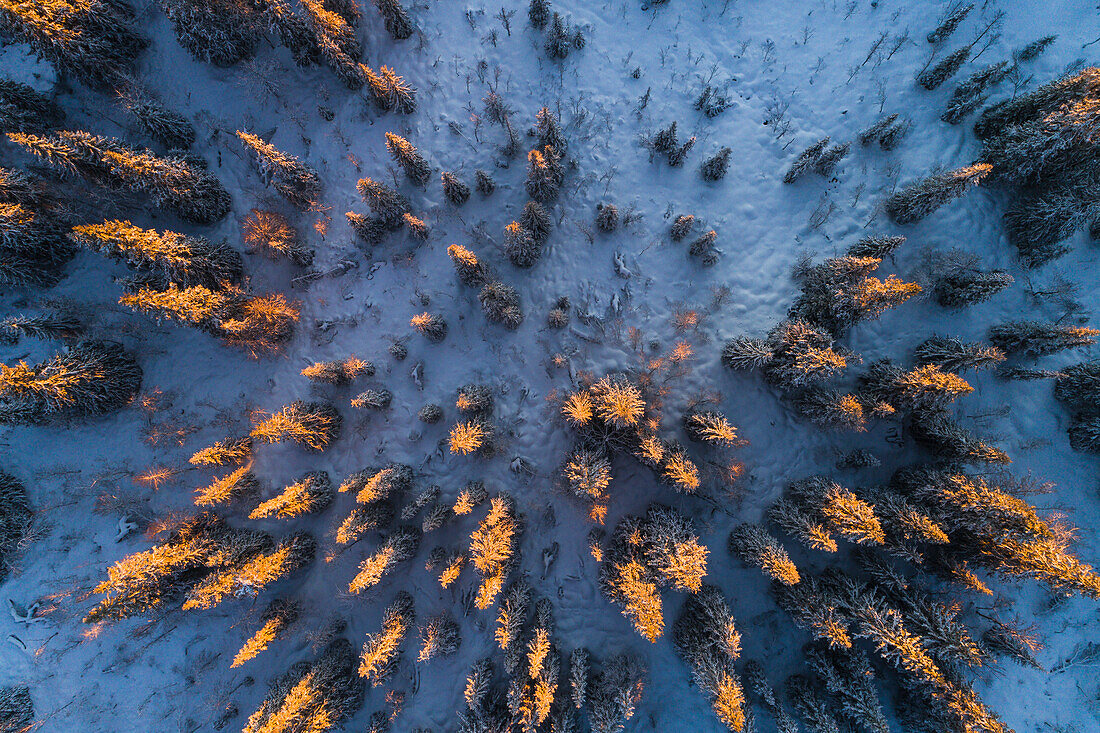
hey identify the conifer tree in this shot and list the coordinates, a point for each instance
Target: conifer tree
(558, 43)
(293, 31)
(167, 256)
(337, 41)
(809, 706)
(314, 696)
(850, 681)
(607, 217)
(44, 326)
(409, 158)
(615, 693)
(22, 109)
(248, 576)
(931, 78)
(439, 637)
(806, 160)
(705, 637)
(374, 399)
(315, 425)
(682, 227)
(954, 355)
(373, 485)
(967, 288)
(396, 18)
(879, 247)
(935, 430)
(270, 232)
(925, 387)
(382, 651)
(826, 163)
(431, 325)
(16, 709)
(875, 131)
(15, 518)
(535, 220)
(1014, 641)
(309, 494)
(715, 168)
(521, 247)
(501, 304)
(544, 174)
(455, 190)
(493, 548)
(33, 248)
(170, 129)
(538, 13)
(90, 378)
(832, 408)
(276, 618)
(221, 32)
(950, 22)
(374, 515)
(469, 269)
(226, 489)
(297, 182)
(841, 292)
(918, 200)
(173, 182)
(755, 547)
(398, 546)
(94, 41)
(757, 682)
(485, 184)
(1038, 339)
(841, 511)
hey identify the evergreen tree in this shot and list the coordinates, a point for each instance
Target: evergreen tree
(548, 130)
(954, 355)
(221, 32)
(368, 229)
(469, 269)
(397, 547)
(826, 163)
(15, 518)
(522, 249)
(918, 200)
(1014, 641)
(938, 74)
(33, 248)
(170, 129)
(439, 637)
(544, 174)
(715, 168)
(935, 430)
(22, 109)
(337, 41)
(269, 232)
(94, 41)
(875, 131)
(704, 636)
(374, 399)
(614, 693)
(538, 13)
(166, 256)
(840, 292)
(1038, 339)
(173, 182)
(682, 227)
(501, 304)
(607, 217)
(455, 190)
(879, 247)
(485, 183)
(91, 378)
(418, 229)
(921, 388)
(314, 425)
(849, 680)
(409, 158)
(309, 494)
(390, 91)
(276, 618)
(558, 43)
(44, 326)
(832, 408)
(950, 22)
(386, 203)
(757, 682)
(755, 547)
(806, 161)
(338, 372)
(396, 18)
(431, 325)
(969, 287)
(312, 696)
(297, 182)
(293, 31)
(536, 220)
(16, 709)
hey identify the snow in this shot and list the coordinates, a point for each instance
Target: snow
(174, 674)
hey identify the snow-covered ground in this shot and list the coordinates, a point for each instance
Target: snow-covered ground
(794, 72)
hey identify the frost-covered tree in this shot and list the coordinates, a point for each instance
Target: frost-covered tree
(484, 183)
(806, 161)
(315, 425)
(94, 41)
(949, 23)
(90, 378)
(936, 430)
(614, 693)
(169, 128)
(1038, 339)
(431, 325)
(918, 200)
(932, 77)
(455, 190)
(500, 303)
(22, 109)
(398, 546)
(705, 637)
(221, 32)
(523, 249)
(309, 494)
(269, 232)
(167, 257)
(954, 355)
(296, 181)
(715, 168)
(544, 174)
(469, 269)
(396, 18)
(279, 615)
(920, 388)
(536, 220)
(409, 158)
(682, 227)
(34, 248)
(755, 547)
(841, 291)
(439, 637)
(538, 13)
(607, 217)
(385, 202)
(173, 182)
